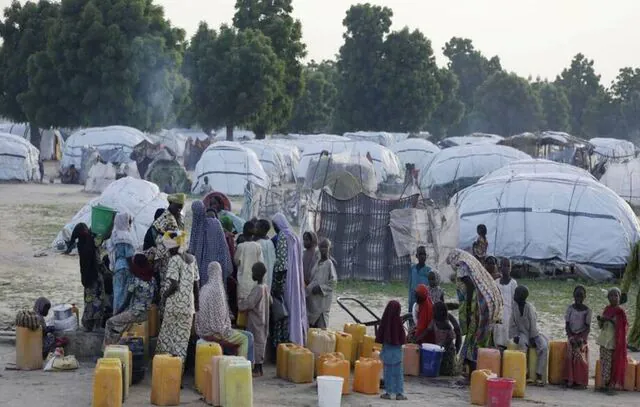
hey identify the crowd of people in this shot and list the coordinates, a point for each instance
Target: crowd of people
(493, 312)
(233, 285)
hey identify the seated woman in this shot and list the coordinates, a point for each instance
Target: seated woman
(445, 334)
(137, 301)
(212, 320)
(41, 308)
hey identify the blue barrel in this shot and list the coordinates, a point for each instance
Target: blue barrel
(430, 360)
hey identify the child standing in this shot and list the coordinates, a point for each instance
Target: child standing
(445, 335)
(507, 287)
(256, 304)
(436, 293)
(322, 282)
(578, 326)
(524, 331)
(481, 244)
(419, 274)
(391, 335)
(613, 342)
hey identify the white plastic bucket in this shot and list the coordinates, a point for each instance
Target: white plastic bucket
(329, 391)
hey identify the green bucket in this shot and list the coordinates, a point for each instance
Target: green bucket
(101, 219)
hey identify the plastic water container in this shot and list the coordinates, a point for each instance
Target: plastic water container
(123, 353)
(204, 352)
(357, 331)
(366, 376)
(222, 376)
(499, 391)
(411, 359)
(478, 390)
(215, 379)
(489, 359)
(339, 368)
(430, 360)
(107, 383)
(514, 366)
(367, 346)
(323, 359)
(300, 365)
(330, 391)
(208, 384)
(238, 384)
(153, 319)
(557, 356)
(282, 359)
(320, 342)
(344, 344)
(630, 375)
(101, 219)
(166, 377)
(140, 330)
(598, 378)
(28, 348)
(139, 362)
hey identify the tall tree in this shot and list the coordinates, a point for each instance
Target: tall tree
(274, 19)
(24, 33)
(626, 98)
(450, 111)
(472, 69)
(508, 105)
(235, 76)
(359, 65)
(583, 88)
(107, 62)
(313, 110)
(556, 109)
(409, 82)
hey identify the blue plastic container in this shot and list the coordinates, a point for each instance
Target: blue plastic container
(430, 360)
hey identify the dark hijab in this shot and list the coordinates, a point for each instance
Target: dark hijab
(87, 254)
(391, 331)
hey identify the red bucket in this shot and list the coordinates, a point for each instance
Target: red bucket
(499, 391)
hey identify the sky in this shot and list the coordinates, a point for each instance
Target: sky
(531, 37)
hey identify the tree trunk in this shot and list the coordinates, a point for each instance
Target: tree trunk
(36, 137)
(229, 132)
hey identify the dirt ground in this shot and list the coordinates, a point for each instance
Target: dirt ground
(30, 217)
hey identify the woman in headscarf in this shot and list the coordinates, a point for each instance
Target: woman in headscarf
(180, 299)
(323, 281)
(310, 256)
(288, 286)
(91, 274)
(422, 313)
(391, 335)
(121, 250)
(248, 253)
(207, 242)
(150, 236)
(137, 302)
(227, 225)
(41, 308)
(212, 319)
(480, 304)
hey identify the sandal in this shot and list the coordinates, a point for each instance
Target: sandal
(401, 397)
(386, 396)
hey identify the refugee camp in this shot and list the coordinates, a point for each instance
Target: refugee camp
(296, 203)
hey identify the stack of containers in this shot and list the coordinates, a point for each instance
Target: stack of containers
(358, 332)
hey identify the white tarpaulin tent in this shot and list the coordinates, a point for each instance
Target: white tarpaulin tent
(18, 159)
(313, 150)
(537, 166)
(385, 161)
(415, 151)
(291, 155)
(549, 216)
(173, 140)
(379, 137)
(459, 167)
(51, 142)
(138, 198)
(271, 159)
(624, 180)
(229, 167)
(470, 139)
(613, 149)
(101, 138)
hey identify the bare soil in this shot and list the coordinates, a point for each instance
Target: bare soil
(30, 217)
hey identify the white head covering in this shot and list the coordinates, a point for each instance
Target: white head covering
(121, 234)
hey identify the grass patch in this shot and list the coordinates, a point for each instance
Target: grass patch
(39, 224)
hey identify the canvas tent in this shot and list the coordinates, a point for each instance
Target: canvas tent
(470, 139)
(314, 151)
(417, 151)
(114, 143)
(51, 142)
(271, 159)
(229, 167)
(385, 161)
(18, 159)
(536, 166)
(344, 175)
(612, 149)
(291, 155)
(624, 179)
(547, 217)
(455, 168)
(378, 137)
(138, 198)
(173, 140)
